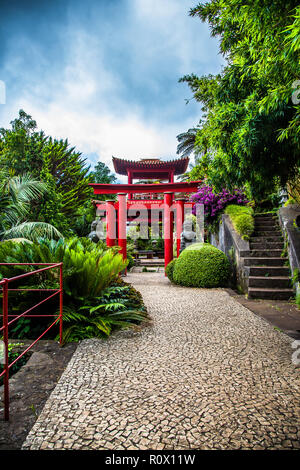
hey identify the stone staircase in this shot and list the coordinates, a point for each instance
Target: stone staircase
(269, 273)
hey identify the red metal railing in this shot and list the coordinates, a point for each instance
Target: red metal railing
(4, 284)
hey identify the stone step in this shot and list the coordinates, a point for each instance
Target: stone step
(267, 233)
(266, 228)
(273, 239)
(266, 245)
(266, 220)
(269, 270)
(272, 282)
(265, 216)
(265, 261)
(266, 223)
(266, 253)
(266, 293)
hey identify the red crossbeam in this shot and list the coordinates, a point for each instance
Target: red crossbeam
(181, 187)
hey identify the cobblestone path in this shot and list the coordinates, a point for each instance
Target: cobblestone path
(207, 374)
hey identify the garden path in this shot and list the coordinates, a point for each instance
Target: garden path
(206, 374)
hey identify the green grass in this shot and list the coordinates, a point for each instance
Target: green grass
(242, 219)
(297, 300)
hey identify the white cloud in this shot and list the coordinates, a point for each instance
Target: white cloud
(86, 100)
(106, 135)
(167, 26)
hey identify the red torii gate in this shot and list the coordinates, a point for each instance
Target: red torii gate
(145, 169)
(168, 205)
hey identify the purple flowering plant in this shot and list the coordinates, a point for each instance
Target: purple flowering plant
(215, 203)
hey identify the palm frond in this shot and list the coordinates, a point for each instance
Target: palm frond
(31, 231)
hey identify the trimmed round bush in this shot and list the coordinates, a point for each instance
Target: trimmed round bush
(196, 246)
(170, 269)
(202, 265)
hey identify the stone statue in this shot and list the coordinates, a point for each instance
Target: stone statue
(188, 236)
(95, 232)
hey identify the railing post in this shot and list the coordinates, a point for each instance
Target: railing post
(60, 302)
(5, 341)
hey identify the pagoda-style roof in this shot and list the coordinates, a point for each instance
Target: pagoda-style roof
(178, 166)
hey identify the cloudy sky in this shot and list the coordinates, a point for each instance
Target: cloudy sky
(104, 73)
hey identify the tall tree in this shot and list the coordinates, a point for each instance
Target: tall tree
(23, 150)
(186, 142)
(102, 174)
(249, 132)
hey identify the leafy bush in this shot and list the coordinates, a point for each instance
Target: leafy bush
(215, 203)
(298, 299)
(196, 246)
(289, 201)
(91, 305)
(130, 253)
(170, 269)
(98, 317)
(88, 266)
(242, 220)
(202, 265)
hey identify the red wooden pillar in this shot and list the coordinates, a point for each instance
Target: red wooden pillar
(168, 228)
(129, 182)
(122, 219)
(110, 223)
(179, 220)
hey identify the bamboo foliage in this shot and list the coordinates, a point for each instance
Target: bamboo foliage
(293, 188)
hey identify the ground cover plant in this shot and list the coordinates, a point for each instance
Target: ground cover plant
(94, 305)
(242, 219)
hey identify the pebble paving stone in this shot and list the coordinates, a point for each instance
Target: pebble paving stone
(205, 374)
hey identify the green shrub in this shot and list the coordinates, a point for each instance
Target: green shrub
(244, 225)
(119, 306)
(170, 269)
(290, 201)
(242, 219)
(88, 267)
(202, 265)
(95, 300)
(298, 299)
(196, 246)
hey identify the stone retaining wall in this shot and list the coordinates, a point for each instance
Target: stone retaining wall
(236, 249)
(287, 218)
